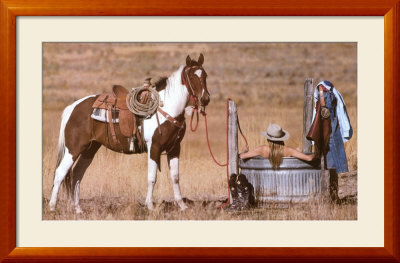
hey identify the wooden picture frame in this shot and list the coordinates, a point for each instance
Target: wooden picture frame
(9, 10)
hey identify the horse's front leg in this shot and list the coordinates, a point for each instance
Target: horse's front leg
(174, 173)
(151, 180)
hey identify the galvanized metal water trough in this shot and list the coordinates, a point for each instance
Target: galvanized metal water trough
(296, 180)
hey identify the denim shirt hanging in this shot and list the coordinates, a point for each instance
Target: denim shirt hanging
(336, 156)
(344, 120)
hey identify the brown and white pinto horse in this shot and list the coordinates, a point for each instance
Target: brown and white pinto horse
(81, 136)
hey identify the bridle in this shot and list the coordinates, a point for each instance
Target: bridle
(192, 95)
(188, 83)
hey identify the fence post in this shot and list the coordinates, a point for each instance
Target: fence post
(307, 113)
(233, 167)
(326, 182)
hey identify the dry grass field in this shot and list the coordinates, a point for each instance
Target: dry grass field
(265, 80)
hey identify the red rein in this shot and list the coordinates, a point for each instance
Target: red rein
(195, 109)
(196, 103)
(209, 147)
(191, 121)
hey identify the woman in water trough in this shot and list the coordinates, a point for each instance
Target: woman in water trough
(276, 148)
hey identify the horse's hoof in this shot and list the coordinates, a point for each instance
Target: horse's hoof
(182, 205)
(78, 210)
(150, 206)
(52, 208)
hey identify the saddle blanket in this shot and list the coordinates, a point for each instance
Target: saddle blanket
(102, 115)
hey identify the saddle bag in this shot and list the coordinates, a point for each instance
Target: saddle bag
(112, 108)
(320, 130)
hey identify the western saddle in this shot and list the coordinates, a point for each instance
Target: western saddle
(116, 106)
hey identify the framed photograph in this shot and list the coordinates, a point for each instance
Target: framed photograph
(262, 57)
(262, 71)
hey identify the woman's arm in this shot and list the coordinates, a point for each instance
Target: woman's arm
(290, 152)
(260, 150)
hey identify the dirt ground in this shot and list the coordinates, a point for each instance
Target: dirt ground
(265, 80)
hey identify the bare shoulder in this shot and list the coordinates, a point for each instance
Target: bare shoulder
(291, 152)
(288, 151)
(264, 150)
(260, 150)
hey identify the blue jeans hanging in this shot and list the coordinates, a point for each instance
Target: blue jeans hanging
(336, 156)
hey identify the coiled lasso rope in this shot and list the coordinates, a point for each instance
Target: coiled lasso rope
(145, 109)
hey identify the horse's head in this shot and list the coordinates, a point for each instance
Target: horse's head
(194, 78)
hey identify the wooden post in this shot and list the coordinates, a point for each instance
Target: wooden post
(233, 162)
(307, 146)
(325, 180)
(233, 166)
(307, 113)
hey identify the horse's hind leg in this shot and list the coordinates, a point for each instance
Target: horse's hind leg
(74, 137)
(61, 171)
(85, 159)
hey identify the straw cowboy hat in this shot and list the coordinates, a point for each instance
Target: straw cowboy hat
(274, 132)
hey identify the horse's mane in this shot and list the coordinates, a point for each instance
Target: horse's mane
(172, 82)
(161, 83)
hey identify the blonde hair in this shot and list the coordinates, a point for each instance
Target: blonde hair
(275, 153)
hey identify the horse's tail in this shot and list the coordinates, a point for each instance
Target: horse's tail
(61, 146)
(61, 141)
(61, 138)
(62, 149)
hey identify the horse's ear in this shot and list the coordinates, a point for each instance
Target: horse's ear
(201, 59)
(188, 61)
